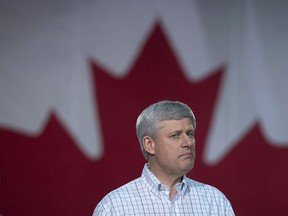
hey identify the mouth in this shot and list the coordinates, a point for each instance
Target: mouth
(187, 155)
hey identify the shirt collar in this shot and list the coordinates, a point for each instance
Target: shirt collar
(150, 178)
(156, 185)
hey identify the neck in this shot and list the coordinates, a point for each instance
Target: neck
(172, 188)
(168, 180)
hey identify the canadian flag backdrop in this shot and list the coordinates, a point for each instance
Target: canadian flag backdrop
(75, 75)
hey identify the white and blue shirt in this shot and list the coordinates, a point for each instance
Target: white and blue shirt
(146, 195)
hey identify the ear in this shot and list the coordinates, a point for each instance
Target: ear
(149, 145)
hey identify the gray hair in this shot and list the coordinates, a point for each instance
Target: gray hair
(148, 121)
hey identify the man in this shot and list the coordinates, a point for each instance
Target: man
(166, 132)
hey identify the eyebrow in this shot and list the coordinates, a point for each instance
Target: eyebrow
(181, 131)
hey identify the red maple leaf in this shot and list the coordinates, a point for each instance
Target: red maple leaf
(48, 175)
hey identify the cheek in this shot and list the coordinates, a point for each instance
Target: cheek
(164, 151)
(169, 151)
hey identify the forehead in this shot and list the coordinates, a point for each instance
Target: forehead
(176, 124)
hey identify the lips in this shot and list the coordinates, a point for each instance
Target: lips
(187, 154)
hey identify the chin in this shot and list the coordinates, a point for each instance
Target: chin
(188, 168)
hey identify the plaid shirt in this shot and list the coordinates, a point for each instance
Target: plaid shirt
(146, 195)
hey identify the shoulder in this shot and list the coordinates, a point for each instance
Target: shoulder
(210, 195)
(203, 188)
(119, 198)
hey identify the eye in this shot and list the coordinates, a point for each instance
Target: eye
(175, 136)
(190, 134)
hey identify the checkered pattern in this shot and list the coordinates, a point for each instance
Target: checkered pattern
(148, 196)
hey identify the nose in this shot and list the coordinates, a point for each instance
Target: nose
(188, 141)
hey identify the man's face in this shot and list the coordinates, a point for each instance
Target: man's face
(174, 147)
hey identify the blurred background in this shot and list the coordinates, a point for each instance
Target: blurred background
(75, 75)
